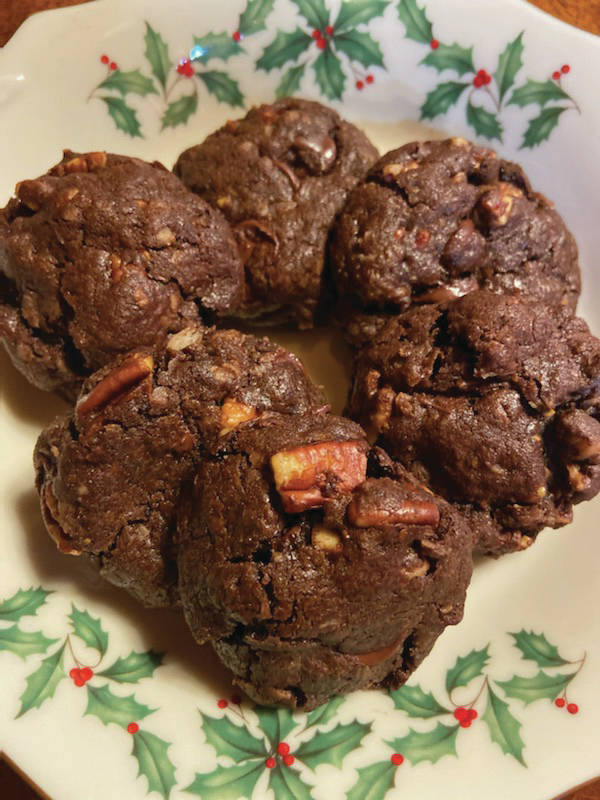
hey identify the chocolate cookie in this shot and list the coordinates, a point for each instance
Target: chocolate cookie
(280, 175)
(314, 567)
(434, 220)
(110, 473)
(102, 254)
(493, 401)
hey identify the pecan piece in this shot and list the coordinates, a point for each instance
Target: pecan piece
(186, 337)
(86, 162)
(123, 378)
(496, 204)
(363, 512)
(326, 539)
(233, 413)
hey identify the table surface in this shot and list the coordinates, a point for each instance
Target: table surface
(581, 13)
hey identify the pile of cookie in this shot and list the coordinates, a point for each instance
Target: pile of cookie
(200, 468)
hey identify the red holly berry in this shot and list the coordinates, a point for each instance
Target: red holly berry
(316, 34)
(370, 79)
(237, 37)
(288, 760)
(572, 708)
(283, 748)
(360, 85)
(465, 723)
(478, 81)
(133, 727)
(222, 703)
(270, 762)
(104, 59)
(472, 714)
(460, 713)
(397, 759)
(565, 69)
(321, 44)
(434, 44)
(74, 673)
(236, 699)
(560, 702)
(556, 75)
(79, 681)
(87, 673)
(113, 65)
(329, 30)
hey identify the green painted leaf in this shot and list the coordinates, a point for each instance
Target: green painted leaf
(451, 56)
(509, 63)
(431, 745)
(109, 707)
(252, 19)
(290, 82)
(132, 81)
(373, 782)
(154, 763)
(541, 687)
(134, 667)
(157, 53)
(231, 740)
(417, 703)
(89, 629)
(325, 713)
(314, 12)
(418, 27)
(227, 783)
(360, 46)
(224, 88)
(540, 127)
(535, 647)
(484, 122)
(466, 668)
(216, 45)
(275, 723)
(179, 111)
(23, 603)
(353, 12)
(23, 643)
(333, 746)
(287, 784)
(439, 100)
(42, 683)
(124, 116)
(503, 727)
(329, 75)
(286, 46)
(541, 92)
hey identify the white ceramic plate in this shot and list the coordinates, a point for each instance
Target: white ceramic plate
(531, 631)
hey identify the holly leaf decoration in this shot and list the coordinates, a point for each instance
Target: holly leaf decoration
(124, 116)
(451, 56)
(42, 683)
(373, 782)
(328, 73)
(109, 707)
(484, 122)
(133, 667)
(333, 746)
(418, 27)
(325, 713)
(540, 127)
(24, 643)
(286, 46)
(215, 45)
(466, 668)
(290, 82)
(360, 46)
(417, 703)
(535, 647)
(24, 603)
(541, 687)
(231, 740)
(439, 100)
(275, 723)
(227, 783)
(419, 746)
(287, 784)
(503, 727)
(154, 763)
(89, 629)
(157, 53)
(509, 63)
(354, 12)
(252, 18)
(132, 81)
(314, 12)
(224, 88)
(179, 111)
(541, 92)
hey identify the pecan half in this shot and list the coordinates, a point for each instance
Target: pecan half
(123, 378)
